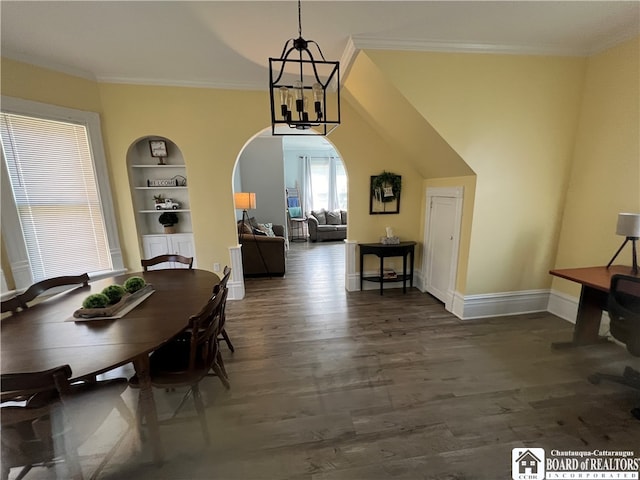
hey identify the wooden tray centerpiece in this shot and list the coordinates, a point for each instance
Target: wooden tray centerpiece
(127, 302)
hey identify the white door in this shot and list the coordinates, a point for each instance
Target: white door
(441, 244)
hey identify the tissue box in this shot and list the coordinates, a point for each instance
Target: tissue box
(389, 240)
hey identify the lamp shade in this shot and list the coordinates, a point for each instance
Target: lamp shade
(628, 225)
(244, 200)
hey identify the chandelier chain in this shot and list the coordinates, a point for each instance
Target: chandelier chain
(299, 19)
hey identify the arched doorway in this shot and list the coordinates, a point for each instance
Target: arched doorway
(270, 165)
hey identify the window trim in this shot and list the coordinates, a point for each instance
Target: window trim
(11, 229)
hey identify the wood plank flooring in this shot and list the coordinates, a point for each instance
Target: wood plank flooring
(328, 384)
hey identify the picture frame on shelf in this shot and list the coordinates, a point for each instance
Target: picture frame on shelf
(158, 150)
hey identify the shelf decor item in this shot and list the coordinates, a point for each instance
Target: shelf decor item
(158, 150)
(385, 193)
(168, 220)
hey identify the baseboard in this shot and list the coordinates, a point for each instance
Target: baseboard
(563, 306)
(467, 307)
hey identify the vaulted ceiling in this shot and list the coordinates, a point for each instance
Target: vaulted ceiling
(227, 43)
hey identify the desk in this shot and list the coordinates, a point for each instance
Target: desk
(40, 338)
(402, 249)
(595, 283)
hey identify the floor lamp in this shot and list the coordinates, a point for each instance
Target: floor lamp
(629, 227)
(245, 201)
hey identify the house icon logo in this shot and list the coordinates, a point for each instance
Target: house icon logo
(527, 464)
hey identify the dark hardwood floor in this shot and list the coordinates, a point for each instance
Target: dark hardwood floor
(327, 384)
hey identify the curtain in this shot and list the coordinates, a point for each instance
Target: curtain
(307, 186)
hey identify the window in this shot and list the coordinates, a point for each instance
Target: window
(328, 183)
(55, 201)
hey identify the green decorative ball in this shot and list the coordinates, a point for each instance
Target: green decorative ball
(133, 284)
(96, 300)
(114, 293)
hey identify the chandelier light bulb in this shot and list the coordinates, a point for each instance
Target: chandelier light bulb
(284, 101)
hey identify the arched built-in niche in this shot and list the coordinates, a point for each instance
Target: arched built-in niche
(151, 177)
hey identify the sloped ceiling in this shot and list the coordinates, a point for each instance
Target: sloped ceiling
(399, 123)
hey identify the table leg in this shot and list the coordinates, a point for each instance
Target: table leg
(585, 331)
(148, 405)
(361, 270)
(411, 277)
(404, 273)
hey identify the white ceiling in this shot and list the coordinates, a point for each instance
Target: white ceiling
(227, 43)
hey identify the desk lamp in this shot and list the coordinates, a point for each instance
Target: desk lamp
(629, 227)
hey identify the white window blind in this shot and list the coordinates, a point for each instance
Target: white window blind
(53, 180)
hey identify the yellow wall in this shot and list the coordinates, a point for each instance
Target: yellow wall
(211, 127)
(605, 176)
(512, 119)
(519, 122)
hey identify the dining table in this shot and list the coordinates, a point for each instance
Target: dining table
(47, 335)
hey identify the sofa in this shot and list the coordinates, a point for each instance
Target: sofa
(327, 225)
(263, 252)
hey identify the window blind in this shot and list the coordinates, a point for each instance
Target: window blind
(54, 186)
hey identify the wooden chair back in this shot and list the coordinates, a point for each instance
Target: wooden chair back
(34, 429)
(205, 328)
(226, 273)
(42, 286)
(146, 263)
(12, 305)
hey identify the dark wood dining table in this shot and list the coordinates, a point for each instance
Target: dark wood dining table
(42, 337)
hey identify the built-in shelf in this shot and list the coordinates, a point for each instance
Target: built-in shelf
(164, 210)
(157, 166)
(160, 188)
(143, 169)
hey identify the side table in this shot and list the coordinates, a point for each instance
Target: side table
(298, 230)
(402, 249)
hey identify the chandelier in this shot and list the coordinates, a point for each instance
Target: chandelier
(304, 91)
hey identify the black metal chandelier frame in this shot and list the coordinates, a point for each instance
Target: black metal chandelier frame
(292, 109)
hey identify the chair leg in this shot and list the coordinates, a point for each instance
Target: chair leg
(22, 473)
(220, 362)
(220, 374)
(182, 402)
(227, 340)
(197, 401)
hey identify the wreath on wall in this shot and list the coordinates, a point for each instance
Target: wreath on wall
(386, 186)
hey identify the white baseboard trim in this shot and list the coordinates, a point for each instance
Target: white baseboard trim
(467, 307)
(563, 305)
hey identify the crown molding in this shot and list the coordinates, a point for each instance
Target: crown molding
(184, 83)
(48, 64)
(365, 42)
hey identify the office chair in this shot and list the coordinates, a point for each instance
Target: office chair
(623, 305)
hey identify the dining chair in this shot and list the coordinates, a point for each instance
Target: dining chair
(146, 263)
(623, 305)
(226, 273)
(42, 286)
(187, 358)
(45, 418)
(12, 305)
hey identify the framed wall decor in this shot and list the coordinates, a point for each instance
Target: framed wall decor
(384, 193)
